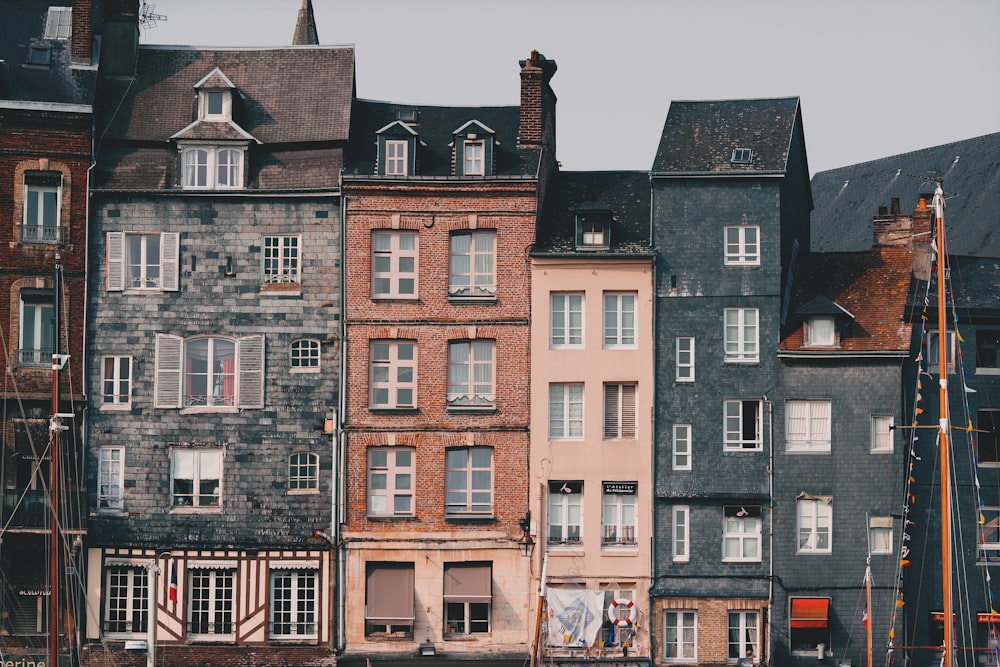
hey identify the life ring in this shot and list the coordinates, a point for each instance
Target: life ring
(613, 612)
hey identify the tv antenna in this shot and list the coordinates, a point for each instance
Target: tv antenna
(148, 17)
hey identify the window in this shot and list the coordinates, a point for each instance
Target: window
(988, 352)
(213, 103)
(197, 477)
(592, 230)
(390, 481)
(109, 478)
(679, 636)
(807, 426)
(741, 156)
(305, 355)
(682, 447)
(565, 411)
(59, 23)
(388, 599)
(989, 535)
(37, 328)
(126, 600)
(468, 594)
(741, 335)
(618, 519)
(741, 533)
(470, 373)
(821, 331)
(394, 265)
(685, 359)
(881, 436)
(566, 310)
(293, 604)
(42, 207)
(815, 517)
(809, 621)
(472, 265)
(988, 423)
(209, 372)
(469, 483)
(393, 381)
(933, 353)
(880, 534)
(303, 472)
(744, 637)
(116, 387)
(39, 55)
(208, 167)
(619, 319)
(742, 245)
(282, 262)
(743, 431)
(680, 535)
(473, 164)
(143, 261)
(210, 614)
(565, 513)
(395, 158)
(619, 411)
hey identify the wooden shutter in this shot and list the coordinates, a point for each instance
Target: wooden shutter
(170, 253)
(116, 261)
(169, 371)
(619, 412)
(250, 357)
(628, 412)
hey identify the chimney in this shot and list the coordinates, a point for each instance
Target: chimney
(82, 34)
(305, 26)
(894, 205)
(120, 43)
(538, 103)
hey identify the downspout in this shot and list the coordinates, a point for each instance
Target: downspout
(770, 529)
(337, 495)
(654, 293)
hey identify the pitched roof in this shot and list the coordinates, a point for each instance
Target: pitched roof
(871, 286)
(846, 198)
(974, 290)
(700, 137)
(305, 26)
(625, 194)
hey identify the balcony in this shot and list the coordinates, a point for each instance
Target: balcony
(41, 234)
(37, 358)
(31, 509)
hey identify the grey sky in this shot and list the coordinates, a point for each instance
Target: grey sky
(876, 77)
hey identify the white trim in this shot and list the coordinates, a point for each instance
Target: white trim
(294, 564)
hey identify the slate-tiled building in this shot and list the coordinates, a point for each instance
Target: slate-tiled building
(47, 81)
(215, 352)
(730, 211)
(591, 415)
(440, 217)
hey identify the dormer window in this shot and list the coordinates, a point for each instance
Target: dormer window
(742, 156)
(473, 145)
(821, 331)
(395, 158)
(215, 105)
(473, 158)
(593, 230)
(406, 115)
(397, 144)
(212, 167)
(59, 23)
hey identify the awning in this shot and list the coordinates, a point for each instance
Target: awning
(810, 612)
(938, 616)
(992, 619)
(390, 593)
(467, 583)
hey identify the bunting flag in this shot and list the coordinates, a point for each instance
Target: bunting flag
(172, 591)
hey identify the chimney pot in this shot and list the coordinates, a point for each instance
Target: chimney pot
(894, 205)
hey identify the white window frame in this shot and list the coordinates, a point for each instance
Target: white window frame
(42, 217)
(116, 381)
(680, 533)
(214, 590)
(566, 317)
(821, 331)
(305, 356)
(933, 361)
(682, 625)
(684, 349)
(736, 412)
(196, 466)
(621, 411)
(565, 515)
(59, 23)
(397, 157)
(620, 319)
(742, 532)
(129, 266)
(393, 373)
(988, 544)
(814, 521)
(469, 481)
(175, 376)
(474, 158)
(745, 623)
(471, 373)
(110, 479)
(882, 434)
(225, 99)
(880, 535)
(593, 231)
(472, 273)
(294, 604)
(212, 167)
(391, 476)
(807, 425)
(566, 411)
(741, 250)
(395, 263)
(682, 454)
(742, 333)
(281, 259)
(619, 518)
(303, 473)
(37, 332)
(126, 595)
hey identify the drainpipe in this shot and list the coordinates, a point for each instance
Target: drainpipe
(770, 520)
(339, 448)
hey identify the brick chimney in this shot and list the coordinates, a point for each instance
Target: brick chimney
(82, 35)
(120, 43)
(538, 104)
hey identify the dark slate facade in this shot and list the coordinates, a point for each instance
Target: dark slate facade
(215, 351)
(731, 205)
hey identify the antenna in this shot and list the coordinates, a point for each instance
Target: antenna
(148, 17)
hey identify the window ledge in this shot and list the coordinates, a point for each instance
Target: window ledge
(988, 371)
(682, 560)
(389, 517)
(480, 300)
(472, 409)
(395, 299)
(200, 409)
(470, 518)
(394, 411)
(303, 492)
(807, 451)
(196, 510)
(304, 369)
(281, 289)
(116, 407)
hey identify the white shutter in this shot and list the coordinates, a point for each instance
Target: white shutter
(250, 357)
(116, 261)
(170, 253)
(169, 371)
(628, 412)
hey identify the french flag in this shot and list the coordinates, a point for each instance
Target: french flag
(172, 591)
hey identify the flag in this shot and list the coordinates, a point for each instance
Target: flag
(575, 616)
(864, 618)
(172, 591)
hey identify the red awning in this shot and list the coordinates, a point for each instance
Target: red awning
(993, 619)
(810, 612)
(938, 617)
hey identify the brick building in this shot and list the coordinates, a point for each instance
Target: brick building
(440, 215)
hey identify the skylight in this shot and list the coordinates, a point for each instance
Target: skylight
(742, 156)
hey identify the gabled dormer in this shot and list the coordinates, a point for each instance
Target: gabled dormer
(473, 149)
(593, 226)
(397, 150)
(215, 97)
(823, 322)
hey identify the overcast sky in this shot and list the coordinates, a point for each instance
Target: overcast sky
(875, 77)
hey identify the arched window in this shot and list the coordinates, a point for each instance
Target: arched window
(303, 472)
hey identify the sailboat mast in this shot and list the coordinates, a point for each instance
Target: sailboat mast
(943, 428)
(54, 432)
(868, 609)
